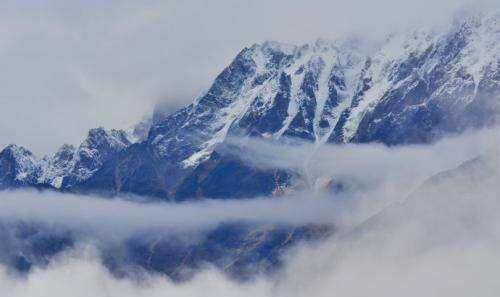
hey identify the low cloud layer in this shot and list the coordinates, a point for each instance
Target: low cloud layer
(444, 243)
(79, 274)
(71, 66)
(441, 240)
(373, 176)
(117, 218)
(446, 273)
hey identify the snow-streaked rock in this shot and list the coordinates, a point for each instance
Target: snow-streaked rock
(413, 88)
(18, 167)
(68, 165)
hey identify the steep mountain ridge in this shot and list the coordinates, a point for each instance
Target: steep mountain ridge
(18, 167)
(461, 197)
(447, 83)
(414, 88)
(69, 165)
(268, 90)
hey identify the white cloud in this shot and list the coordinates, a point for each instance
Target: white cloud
(375, 175)
(70, 66)
(79, 274)
(444, 243)
(114, 218)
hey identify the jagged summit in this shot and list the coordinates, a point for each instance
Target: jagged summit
(332, 91)
(18, 167)
(271, 90)
(65, 167)
(413, 88)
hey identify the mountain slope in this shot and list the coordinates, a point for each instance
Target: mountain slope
(67, 167)
(413, 88)
(463, 199)
(18, 167)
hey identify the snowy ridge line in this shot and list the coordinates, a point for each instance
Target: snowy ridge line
(79, 163)
(411, 88)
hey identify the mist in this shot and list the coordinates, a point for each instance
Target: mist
(415, 220)
(72, 66)
(118, 218)
(440, 240)
(372, 176)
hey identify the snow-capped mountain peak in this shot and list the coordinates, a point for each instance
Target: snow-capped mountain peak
(271, 90)
(65, 167)
(412, 88)
(331, 90)
(20, 163)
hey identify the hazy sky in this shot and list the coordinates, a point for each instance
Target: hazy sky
(68, 66)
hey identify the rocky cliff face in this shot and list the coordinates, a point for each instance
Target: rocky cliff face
(18, 167)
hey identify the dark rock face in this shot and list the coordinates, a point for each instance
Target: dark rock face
(436, 92)
(99, 147)
(18, 167)
(23, 245)
(137, 170)
(7, 169)
(241, 250)
(260, 121)
(211, 180)
(414, 89)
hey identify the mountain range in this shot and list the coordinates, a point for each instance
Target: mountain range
(413, 88)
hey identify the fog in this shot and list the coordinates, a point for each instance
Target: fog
(118, 218)
(79, 274)
(446, 273)
(440, 239)
(373, 176)
(73, 65)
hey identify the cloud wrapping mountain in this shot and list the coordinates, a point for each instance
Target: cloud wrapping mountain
(441, 240)
(416, 87)
(346, 167)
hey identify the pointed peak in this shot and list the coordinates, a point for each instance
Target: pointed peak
(96, 132)
(17, 150)
(11, 147)
(270, 47)
(67, 147)
(66, 151)
(99, 136)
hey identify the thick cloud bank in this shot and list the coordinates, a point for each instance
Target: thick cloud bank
(449, 248)
(436, 239)
(117, 218)
(81, 275)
